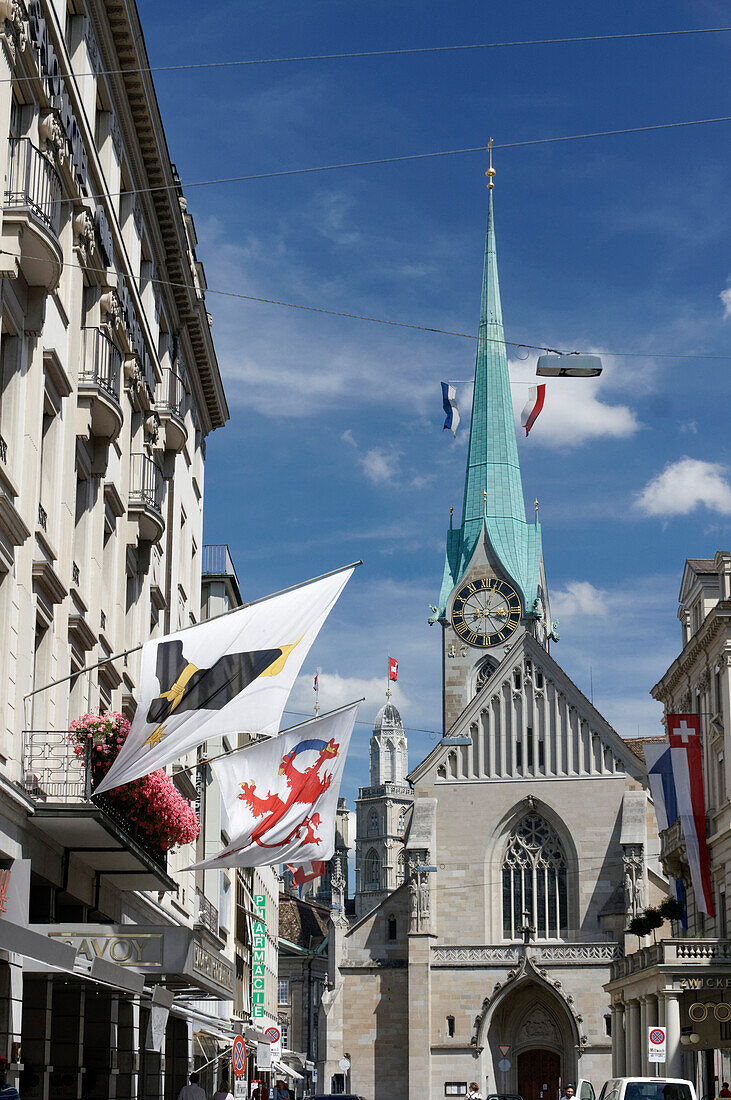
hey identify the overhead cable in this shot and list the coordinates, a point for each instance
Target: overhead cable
(401, 51)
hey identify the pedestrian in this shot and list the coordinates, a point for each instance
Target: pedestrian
(569, 1093)
(223, 1091)
(474, 1093)
(7, 1092)
(725, 1091)
(193, 1091)
(282, 1092)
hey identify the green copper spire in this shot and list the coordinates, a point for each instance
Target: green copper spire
(493, 493)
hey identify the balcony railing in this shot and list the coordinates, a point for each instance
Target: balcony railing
(145, 483)
(171, 395)
(102, 364)
(217, 562)
(710, 952)
(206, 913)
(3, 451)
(34, 183)
(42, 518)
(53, 775)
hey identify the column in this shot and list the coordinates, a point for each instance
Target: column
(632, 1022)
(619, 1059)
(643, 1038)
(672, 1023)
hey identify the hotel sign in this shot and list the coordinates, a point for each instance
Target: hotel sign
(258, 956)
(158, 950)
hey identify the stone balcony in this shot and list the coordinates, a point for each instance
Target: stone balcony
(170, 404)
(674, 953)
(145, 497)
(99, 385)
(398, 790)
(32, 216)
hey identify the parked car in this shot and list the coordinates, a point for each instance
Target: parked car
(647, 1088)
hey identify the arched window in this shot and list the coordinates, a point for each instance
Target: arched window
(392, 928)
(534, 880)
(401, 827)
(372, 870)
(484, 673)
(391, 774)
(401, 868)
(373, 823)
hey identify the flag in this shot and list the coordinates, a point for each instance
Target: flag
(306, 872)
(232, 673)
(533, 406)
(392, 669)
(685, 754)
(662, 789)
(449, 404)
(316, 681)
(281, 795)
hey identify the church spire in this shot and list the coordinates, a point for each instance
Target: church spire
(493, 493)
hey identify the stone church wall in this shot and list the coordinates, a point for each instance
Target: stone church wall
(375, 1031)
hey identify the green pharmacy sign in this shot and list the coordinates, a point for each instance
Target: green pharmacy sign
(257, 957)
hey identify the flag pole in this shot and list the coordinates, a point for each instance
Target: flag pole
(233, 752)
(231, 611)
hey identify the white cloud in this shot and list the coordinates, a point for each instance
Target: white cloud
(380, 465)
(574, 411)
(579, 598)
(337, 690)
(348, 437)
(725, 297)
(685, 485)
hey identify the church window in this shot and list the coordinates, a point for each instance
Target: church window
(529, 745)
(518, 754)
(539, 679)
(484, 673)
(392, 928)
(401, 868)
(372, 870)
(373, 823)
(517, 681)
(534, 880)
(401, 827)
(391, 774)
(450, 1026)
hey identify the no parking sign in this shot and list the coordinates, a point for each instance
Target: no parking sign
(657, 1039)
(238, 1056)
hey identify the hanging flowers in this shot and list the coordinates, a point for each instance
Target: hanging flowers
(153, 804)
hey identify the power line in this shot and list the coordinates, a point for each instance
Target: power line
(403, 51)
(396, 324)
(404, 157)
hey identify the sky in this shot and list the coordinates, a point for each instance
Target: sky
(335, 449)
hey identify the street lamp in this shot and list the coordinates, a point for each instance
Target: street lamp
(561, 366)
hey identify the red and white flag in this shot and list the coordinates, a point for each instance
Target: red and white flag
(685, 755)
(533, 406)
(306, 872)
(392, 668)
(316, 682)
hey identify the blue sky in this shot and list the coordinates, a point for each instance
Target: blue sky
(335, 449)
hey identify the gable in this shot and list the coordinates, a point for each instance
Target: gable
(530, 721)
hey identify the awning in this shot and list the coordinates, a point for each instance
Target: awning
(282, 1067)
(34, 945)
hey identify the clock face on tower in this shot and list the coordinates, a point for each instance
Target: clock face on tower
(486, 611)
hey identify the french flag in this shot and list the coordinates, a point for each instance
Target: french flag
(685, 754)
(305, 872)
(533, 406)
(449, 403)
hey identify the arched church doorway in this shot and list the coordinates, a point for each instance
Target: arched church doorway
(539, 1074)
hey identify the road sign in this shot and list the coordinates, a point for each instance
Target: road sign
(504, 1065)
(238, 1056)
(240, 1089)
(344, 1064)
(656, 1044)
(504, 1049)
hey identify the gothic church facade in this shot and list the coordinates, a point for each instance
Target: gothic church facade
(530, 839)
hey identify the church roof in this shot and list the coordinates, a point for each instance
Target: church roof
(493, 493)
(635, 744)
(302, 922)
(388, 719)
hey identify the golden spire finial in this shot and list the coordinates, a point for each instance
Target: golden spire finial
(484, 499)
(535, 505)
(490, 173)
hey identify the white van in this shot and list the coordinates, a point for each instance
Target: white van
(647, 1088)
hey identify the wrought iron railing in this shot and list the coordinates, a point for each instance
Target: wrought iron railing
(171, 395)
(53, 773)
(217, 561)
(102, 365)
(42, 518)
(75, 574)
(3, 450)
(145, 482)
(206, 913)
(33, 182)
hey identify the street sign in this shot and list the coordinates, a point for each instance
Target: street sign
(656, 1044)
(274, 1035)
(238, 1056)
(504, 1065)
(239, 1088)
(504, 1049)
(344, 1064)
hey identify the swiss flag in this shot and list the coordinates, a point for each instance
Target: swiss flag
(392, 668)
(306, 872)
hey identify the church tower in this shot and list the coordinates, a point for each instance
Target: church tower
(494, 586)
(381, 811)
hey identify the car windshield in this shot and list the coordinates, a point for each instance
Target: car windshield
(657, 1090)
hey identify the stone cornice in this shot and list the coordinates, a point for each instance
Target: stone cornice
(698, 646)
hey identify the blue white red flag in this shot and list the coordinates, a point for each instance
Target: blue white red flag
(662, 789)
(685, 754)
(281, 795)
(449, 403)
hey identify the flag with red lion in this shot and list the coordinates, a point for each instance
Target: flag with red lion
(281, 795)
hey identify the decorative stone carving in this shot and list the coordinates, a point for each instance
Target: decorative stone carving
(51, 135)
(152, 428)
(413, 905)
(538, 1026)
(633, 862)
(560, 954)
(14, 32)
(111, 308)
(84, 234)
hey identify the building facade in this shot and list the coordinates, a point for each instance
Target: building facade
(530, 841)
(381, 811)
(303, 974)
(109, 387)
(684, 980)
